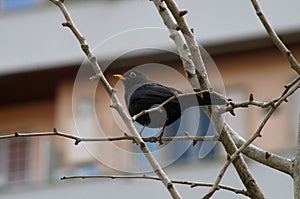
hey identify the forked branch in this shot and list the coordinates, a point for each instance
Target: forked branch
(204, 82)
(230, 159)
(116, 103)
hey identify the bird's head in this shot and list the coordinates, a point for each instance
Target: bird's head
(131, 78)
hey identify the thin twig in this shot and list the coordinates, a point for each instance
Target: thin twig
(182, 182)
(252, 102)
(157, 108)
(116, 103)
(275, 39)
(264, 157)
(257, 134)
(179, 96)
(204, 83)
(78, 139)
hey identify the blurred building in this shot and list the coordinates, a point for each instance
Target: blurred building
(44, 85)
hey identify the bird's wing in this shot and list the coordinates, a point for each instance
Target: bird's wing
(147, 95)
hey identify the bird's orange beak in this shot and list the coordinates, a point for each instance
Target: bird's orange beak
(119, 77)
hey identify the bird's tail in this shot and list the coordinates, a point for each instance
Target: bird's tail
(203, 98)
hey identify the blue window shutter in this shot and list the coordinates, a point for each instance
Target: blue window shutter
(17, 4)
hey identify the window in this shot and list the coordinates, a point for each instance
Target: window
(196, 123)
(15, 159)
(189, 124)
(19, 4)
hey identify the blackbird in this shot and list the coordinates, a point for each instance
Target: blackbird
(142, 94)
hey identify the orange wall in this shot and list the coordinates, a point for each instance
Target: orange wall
(261, 72)
(30, 117)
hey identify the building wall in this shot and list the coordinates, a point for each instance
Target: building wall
(263, 73)
(87, 114)
(29, 117)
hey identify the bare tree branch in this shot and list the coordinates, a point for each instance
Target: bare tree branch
(275, 39)
(116, 103)
(177, 37)
(257, 134)
(191, 43)
(78, 139)
(296, 166)
(240, 165)
(182, 182)
(192, 60)
(252, 102)
(264, 157)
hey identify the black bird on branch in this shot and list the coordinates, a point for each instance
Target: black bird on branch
(142, 94)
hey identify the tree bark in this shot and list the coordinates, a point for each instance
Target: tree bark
(240, 165)
(296, 168)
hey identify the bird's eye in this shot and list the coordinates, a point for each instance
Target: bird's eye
(132, 75)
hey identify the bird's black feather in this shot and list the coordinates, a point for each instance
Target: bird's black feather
(150, 95)
(142, 94)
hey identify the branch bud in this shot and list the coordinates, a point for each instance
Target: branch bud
(251, 98)
(182, 12)
(66, 24)
(161, 8)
